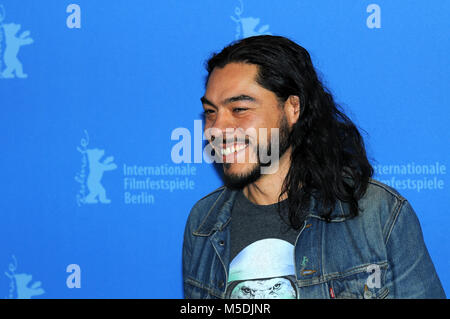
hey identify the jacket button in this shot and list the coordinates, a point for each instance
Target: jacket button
(221, 243)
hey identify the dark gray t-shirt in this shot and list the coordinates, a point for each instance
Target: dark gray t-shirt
(262, 252)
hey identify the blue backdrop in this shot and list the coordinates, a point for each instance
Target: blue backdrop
(93, 204)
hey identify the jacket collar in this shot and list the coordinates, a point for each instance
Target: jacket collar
(340, 213)
(219, 215)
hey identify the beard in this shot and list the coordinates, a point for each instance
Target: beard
(240, 180)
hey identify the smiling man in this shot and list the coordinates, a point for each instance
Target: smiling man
(299, 215)
(238, 126)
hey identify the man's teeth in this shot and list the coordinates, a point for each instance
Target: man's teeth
(232, 149)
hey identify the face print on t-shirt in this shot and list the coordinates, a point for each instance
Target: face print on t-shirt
(263, 270)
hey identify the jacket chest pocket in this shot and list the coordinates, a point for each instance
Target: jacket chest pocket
(362, 282)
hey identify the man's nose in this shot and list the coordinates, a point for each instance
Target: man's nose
(222, 126)
(223, 121)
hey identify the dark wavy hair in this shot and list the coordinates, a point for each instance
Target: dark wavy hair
(329, 160)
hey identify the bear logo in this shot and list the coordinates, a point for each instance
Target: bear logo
(96, 169)
(249, 27)
(19, 286)
(13, 44)
(23, 289)
(246, 27)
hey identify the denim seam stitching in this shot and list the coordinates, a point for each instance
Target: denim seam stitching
(198, 284)
(223, 264)
(325, 278)
(397, 196)
(393, 219)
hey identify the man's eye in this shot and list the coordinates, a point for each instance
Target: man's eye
(239, 109)
(208, 112)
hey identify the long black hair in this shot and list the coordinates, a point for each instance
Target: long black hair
(328, 160)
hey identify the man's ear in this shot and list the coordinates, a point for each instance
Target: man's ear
(292, 109)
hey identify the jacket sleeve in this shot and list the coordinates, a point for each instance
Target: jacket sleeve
(412, 273)
(186, 254)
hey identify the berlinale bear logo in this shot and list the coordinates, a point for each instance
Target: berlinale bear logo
(19, 287)
(246, 27)
(96, 169)
(10, 66)
(91, 179)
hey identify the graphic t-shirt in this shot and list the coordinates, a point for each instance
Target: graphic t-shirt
(262, 252)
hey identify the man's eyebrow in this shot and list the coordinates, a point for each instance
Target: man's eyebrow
(229, 100)
(204, 100)
(241, 97)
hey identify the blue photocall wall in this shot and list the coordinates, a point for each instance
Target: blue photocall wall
(97, 96)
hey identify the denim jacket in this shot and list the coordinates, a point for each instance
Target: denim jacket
(378, 254)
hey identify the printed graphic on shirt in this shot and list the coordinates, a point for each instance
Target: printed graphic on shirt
(263, 270)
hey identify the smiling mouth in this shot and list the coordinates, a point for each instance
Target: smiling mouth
(235, 148)
(230, 147)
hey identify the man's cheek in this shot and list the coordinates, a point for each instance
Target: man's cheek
(269, 153)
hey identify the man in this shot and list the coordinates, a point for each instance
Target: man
(310, 223)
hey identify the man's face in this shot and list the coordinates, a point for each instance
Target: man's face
(236, 105)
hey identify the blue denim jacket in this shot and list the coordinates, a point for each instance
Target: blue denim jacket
(342, 255)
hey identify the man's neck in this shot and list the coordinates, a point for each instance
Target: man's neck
(267, 189)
